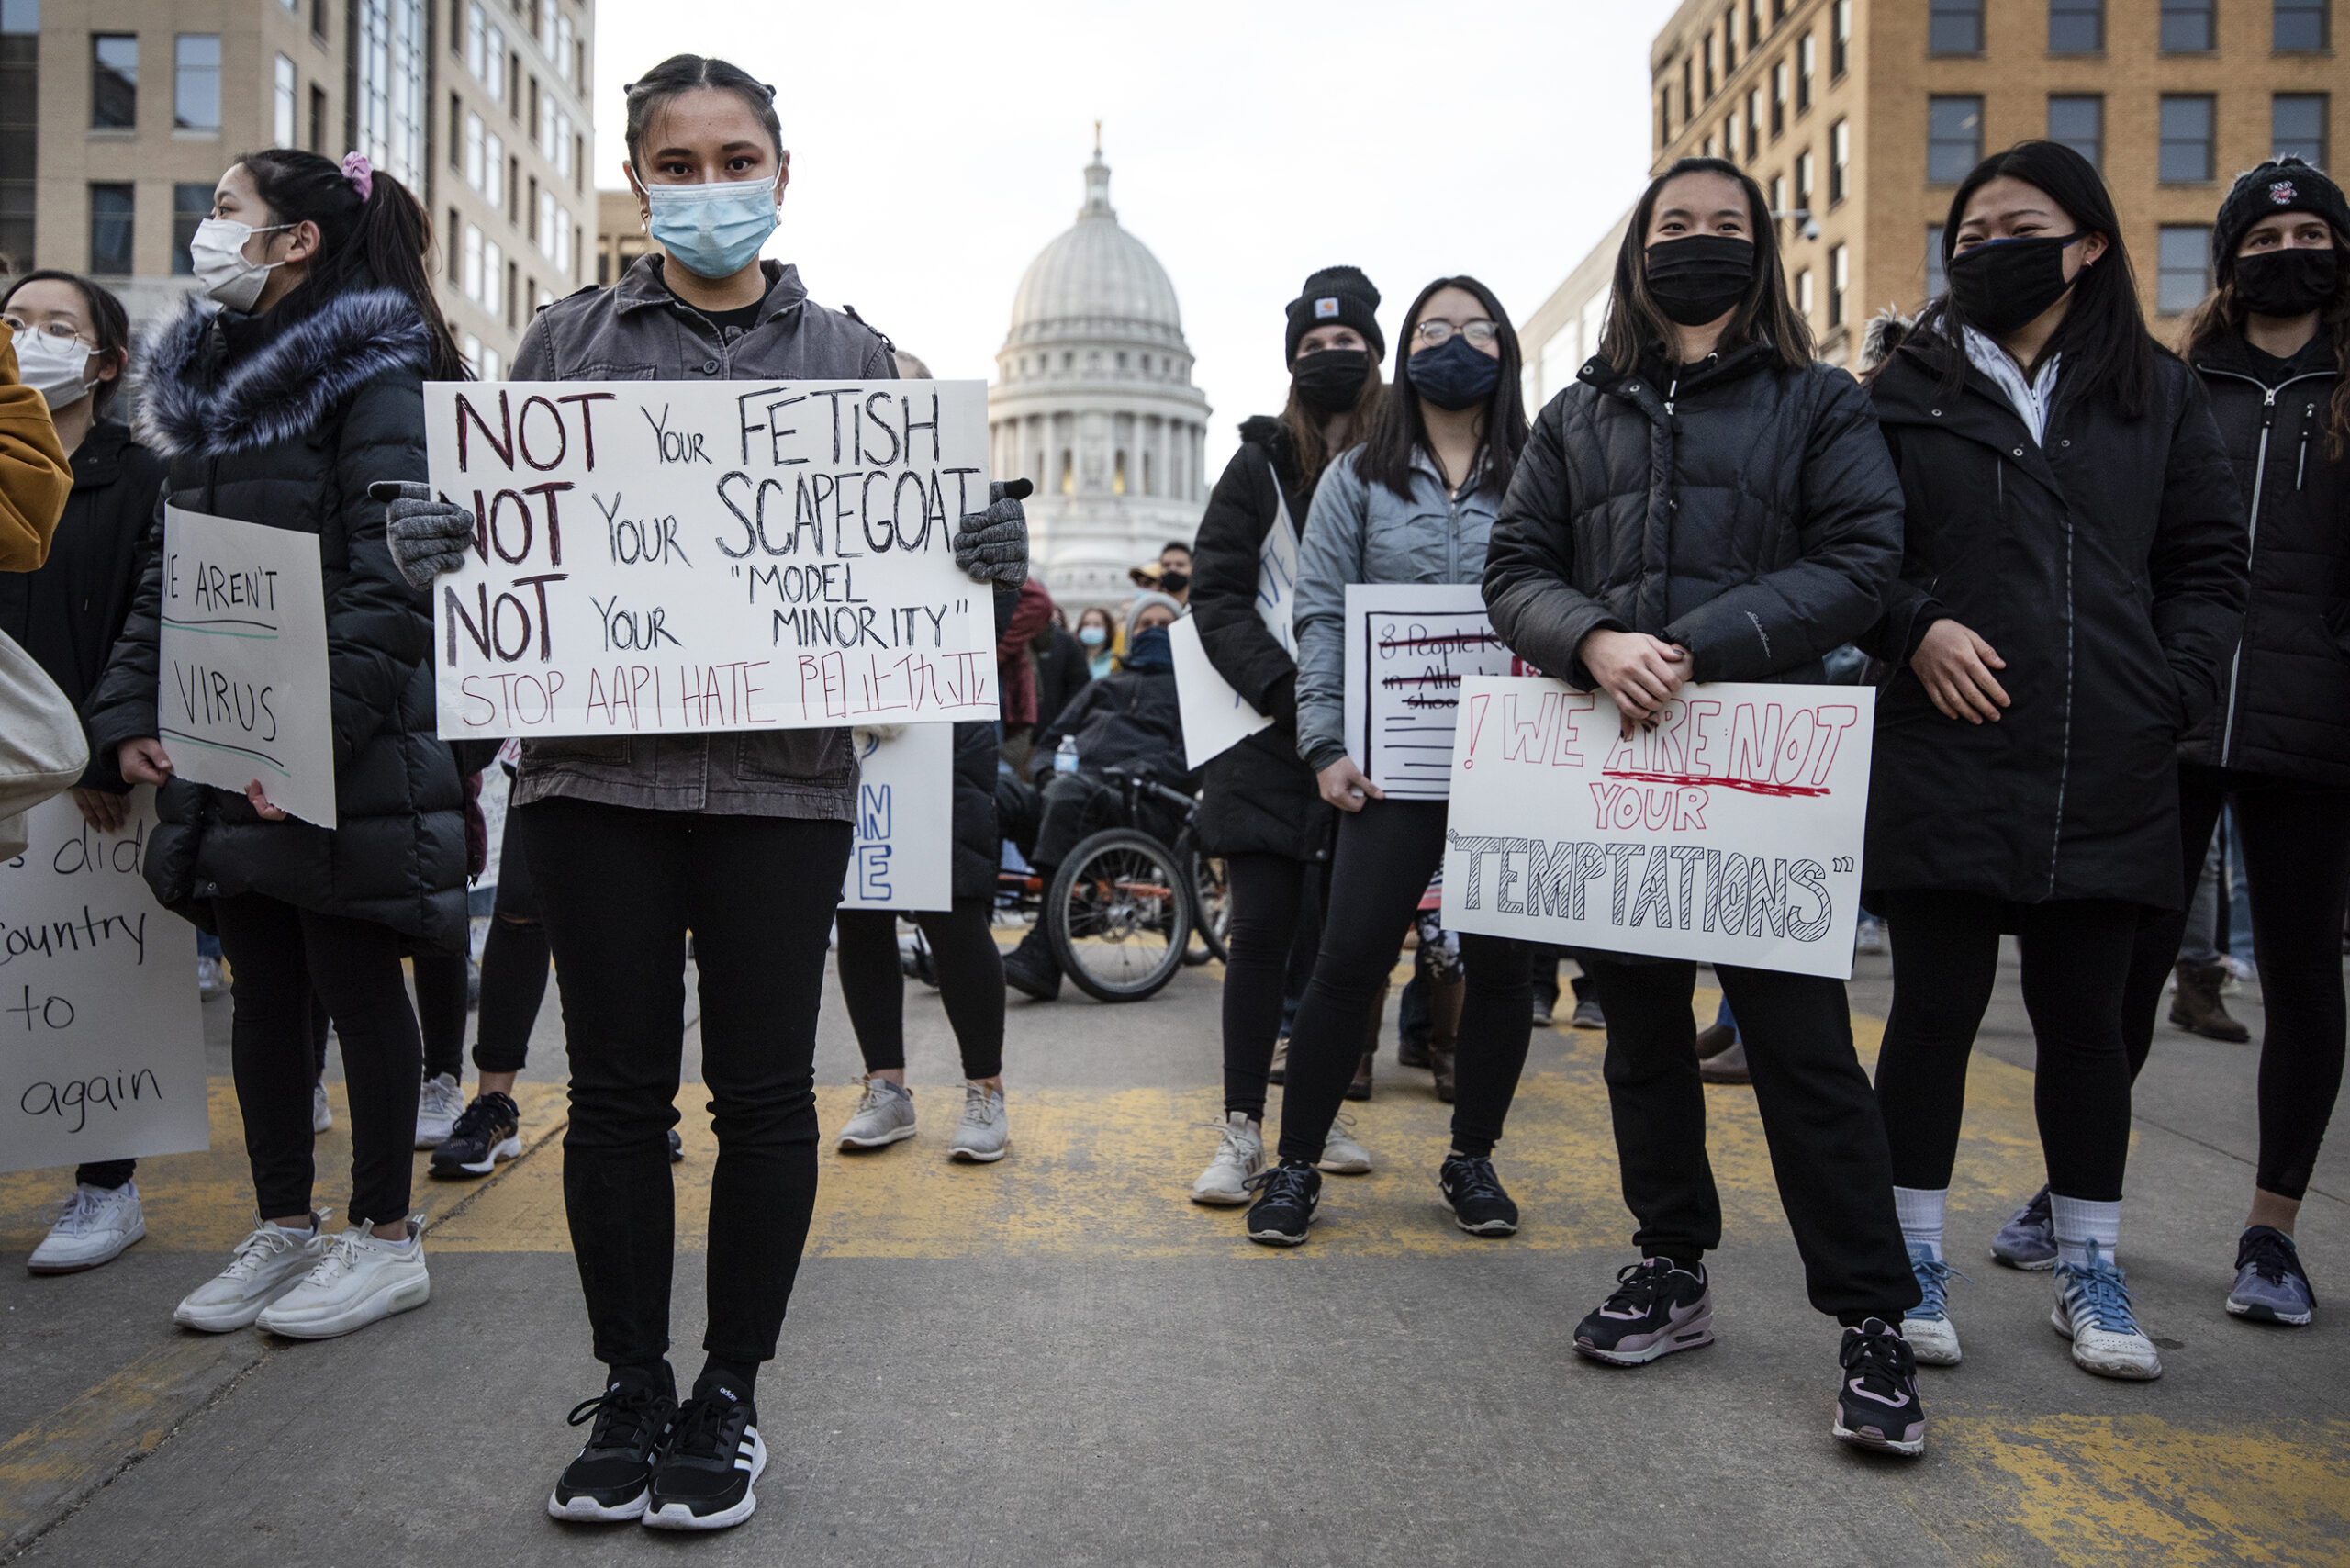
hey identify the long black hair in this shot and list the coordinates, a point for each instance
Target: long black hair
(1636, 324)
(2108, 351)
(110, 323)
(1400, 430)
(682, 74)
(378, 241)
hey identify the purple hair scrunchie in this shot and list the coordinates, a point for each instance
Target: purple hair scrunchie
(360, 173)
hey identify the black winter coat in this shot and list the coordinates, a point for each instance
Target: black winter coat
(68, 614)
(1062, 671)
(2286, 708)
(1129, 720)
(1753, 523)
(1260, 798)
(2105, 568)
(287, 427)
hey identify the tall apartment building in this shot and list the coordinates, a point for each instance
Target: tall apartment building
(117, 117)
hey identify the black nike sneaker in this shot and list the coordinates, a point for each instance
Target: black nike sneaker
(1474, 1195)
(1287, 1197)
(608, 1482)
(703, 1479)
(485, 1132)
(1657, 1308)
(1877, 1404)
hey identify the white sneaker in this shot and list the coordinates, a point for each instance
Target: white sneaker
(884, 1115)
(1341, 1155)
(1239, 1154)
(2093, 1310)
(94, 1227)
(321, 1114)
(1932, 1336)
(438, 1105)
(267, 1264)
(985, 1134)
(359, 1279)
(209, 981)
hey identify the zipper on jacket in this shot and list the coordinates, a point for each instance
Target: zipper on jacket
(2301, 468)
(2251, 551)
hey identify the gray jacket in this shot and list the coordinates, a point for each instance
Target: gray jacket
(638, 331)
(1366, 534)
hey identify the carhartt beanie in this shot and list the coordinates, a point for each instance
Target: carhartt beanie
(2283, 184)
(1336, 294)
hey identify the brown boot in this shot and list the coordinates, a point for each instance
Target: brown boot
(2197, 1006)
(1361, 1088)
(1445, 999)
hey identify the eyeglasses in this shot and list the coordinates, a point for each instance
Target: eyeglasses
(61, 331)
(1479, 332)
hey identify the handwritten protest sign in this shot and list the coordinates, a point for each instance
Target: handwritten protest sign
(1215, 717)
(1729, 833)
(1409, 646)
(101, 1040)
(243, 690)
(903, 857)
(657, 556)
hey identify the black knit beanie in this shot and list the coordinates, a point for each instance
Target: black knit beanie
(1340, 295)
(2285, 184)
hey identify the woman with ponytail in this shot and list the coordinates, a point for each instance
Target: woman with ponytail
(279, 401)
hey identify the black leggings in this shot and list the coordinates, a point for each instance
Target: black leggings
(2295, 841)
(440, 1010)
(1945, 961)
(514, 960)
(1387, 852)
(623, 886)
(1269, 894)
(970, 982)
(279, 954)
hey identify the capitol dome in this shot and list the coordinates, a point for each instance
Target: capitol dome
(1093, 404)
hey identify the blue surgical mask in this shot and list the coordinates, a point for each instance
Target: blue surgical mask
(713, 230)
(1092, 636)
(1453, 374)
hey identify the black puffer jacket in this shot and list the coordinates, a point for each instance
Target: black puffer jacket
(1753, 523)
(1260, 798)
(1129, 720)
(287, 427)
(1062, 671)
(2287, 706)
(2105, 568)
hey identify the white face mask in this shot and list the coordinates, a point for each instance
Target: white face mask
(53, 367)
(218, 252)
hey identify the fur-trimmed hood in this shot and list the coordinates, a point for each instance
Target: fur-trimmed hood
(284, 387)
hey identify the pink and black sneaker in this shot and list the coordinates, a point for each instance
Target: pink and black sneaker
(1657, 1309)
(1877, 1404)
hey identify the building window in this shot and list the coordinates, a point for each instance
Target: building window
(2187, 138)
(1069, 472)
(475, 145)
(1803, 181)
(492, 368)
(1118, 474)
(318, 20)
(114, 82)
(493, 278)
(1839, 161)
(1753, 122)
(1729, 43)
(110, 225)
(2077, 120)
(1953, 137)
(1807, 64)
(1778, 100)
(1840, 40)
(1803, 293)
(191, 205)
(472, 275)
(1779, 207)
(1936, 282)
(1840, 283)
(1709, 68)
(493, 168)
(196, 83)
(318, 116)
(287, 104)
(1688, 103)
(470, 346)
(2299, 24)
(2297, 127)
(2185, 259)
(19, 130)
(549, 226)
(2187, 27)
(389, 74)
(563, 42)
(1955, 26)
(456, 253)
(1664, 115)
(1730, 137)
(2076, 26)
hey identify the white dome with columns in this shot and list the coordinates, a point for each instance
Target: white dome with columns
(1093, 403)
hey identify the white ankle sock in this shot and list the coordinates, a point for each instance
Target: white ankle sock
(1920, 1211)
(2080, 1222)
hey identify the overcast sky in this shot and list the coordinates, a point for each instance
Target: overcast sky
(935, 148)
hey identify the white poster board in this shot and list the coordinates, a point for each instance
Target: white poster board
(665, 557)
(101, 1032)
(1215, 717)
(1730, 833)
(242, 692)
(1409, 646)
(903, 857)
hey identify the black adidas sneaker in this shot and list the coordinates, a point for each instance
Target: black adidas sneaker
(608, 1482)
(487, 1131)
(703, 1479)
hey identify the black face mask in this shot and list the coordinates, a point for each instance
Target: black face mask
(1329, 380)
(1455, 375)
(2287, 283)
(2003, 285)
(1700, 278)
(1173, 580)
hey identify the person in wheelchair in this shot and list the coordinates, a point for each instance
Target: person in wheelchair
(1127, 721)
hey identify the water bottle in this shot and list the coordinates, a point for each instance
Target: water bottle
(1065, 756)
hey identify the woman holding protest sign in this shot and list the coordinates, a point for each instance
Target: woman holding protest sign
(281, 409)
(2072, 584)
(743, 839)
(1413, 504)
(1261, 809)
(1710, 503)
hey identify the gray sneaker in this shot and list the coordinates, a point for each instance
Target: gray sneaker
(1239, 1154)
(2028, 1238)
(985, 1134)
(1341, 1155)
(2271, 1286)
(885, 1115)
(439, 1103)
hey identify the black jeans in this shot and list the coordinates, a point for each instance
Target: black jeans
(514, 960)
(621, 887)
(280, 955)
(1827, 1143)
(1945, 961)
(1386, 855)
(2295, 840)
(440, 1010)
(970, 983)
(1269, 895)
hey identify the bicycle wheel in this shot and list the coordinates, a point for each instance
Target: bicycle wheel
(1119, 916)
(1211, 907)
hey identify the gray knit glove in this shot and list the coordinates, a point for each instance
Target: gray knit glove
(991, 547)
(428, 537)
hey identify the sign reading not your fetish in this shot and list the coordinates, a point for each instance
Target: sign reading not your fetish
(656, 556)
(1729, 833)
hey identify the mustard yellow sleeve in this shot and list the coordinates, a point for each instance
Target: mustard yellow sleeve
(35, 477)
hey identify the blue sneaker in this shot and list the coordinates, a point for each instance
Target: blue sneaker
(1927, 1326)
(2270, 1286)
(2028, 1238)
(2093, 1310)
